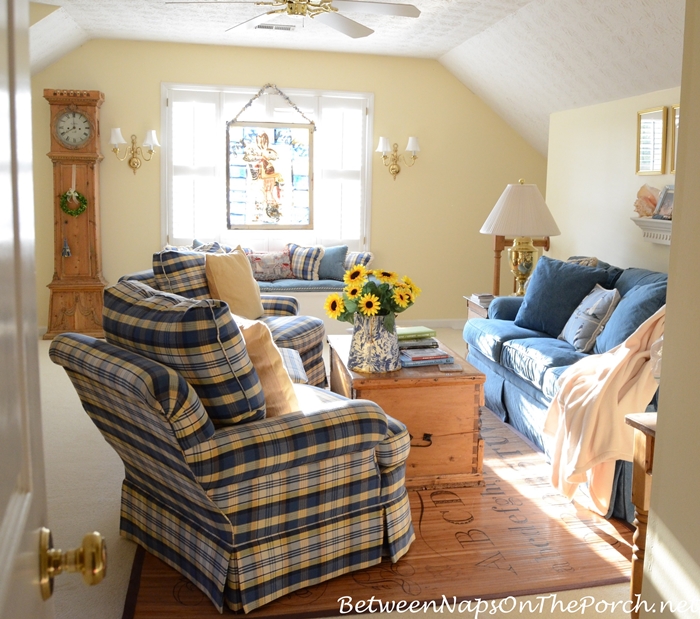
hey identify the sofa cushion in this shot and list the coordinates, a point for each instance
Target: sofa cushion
(488, 336)
(589, 318)
(306, 261)
(196, 338)
(550, 381)
(555, 290)
(530, 358)
(269, 266)
(640, 303)
(333, 263)
(181, 273)
(638, 277)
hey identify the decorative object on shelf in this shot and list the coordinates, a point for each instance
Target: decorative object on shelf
(651, 141)
(391, 157)
(134, 152)
(75, 301)
(521, 213)
(675, 121)
(370, 301)
(647, 199)
(664, 207)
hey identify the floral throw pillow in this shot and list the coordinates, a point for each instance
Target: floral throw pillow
(271, 265)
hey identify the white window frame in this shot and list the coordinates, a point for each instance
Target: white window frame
(264, 240)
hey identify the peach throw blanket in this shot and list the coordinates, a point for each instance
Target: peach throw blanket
(587, 418)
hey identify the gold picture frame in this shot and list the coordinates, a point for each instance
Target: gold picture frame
(674, 119)
(651, 141)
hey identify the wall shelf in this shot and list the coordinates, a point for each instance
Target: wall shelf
(654, 230)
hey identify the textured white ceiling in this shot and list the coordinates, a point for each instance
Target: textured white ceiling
(525, 58)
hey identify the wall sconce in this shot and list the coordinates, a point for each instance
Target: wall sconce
(134, 152)
(392, 158)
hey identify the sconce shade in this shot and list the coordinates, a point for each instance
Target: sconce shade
(520, 211)
(413, 145)
(116, 137)
(383, 146)
(151, 139)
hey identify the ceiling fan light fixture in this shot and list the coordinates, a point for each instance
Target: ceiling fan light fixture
(282, 27)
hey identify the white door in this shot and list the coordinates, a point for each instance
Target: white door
(22, 492)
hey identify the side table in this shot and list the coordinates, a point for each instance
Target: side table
(644, 425)
(474, 310)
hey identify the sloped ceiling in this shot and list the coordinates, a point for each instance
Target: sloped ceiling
(525, 58)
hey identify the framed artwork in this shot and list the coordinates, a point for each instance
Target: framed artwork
(269, 176)
(664, 207)
(651, 141)
(675, 121)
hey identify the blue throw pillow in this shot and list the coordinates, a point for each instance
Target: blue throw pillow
(333, 263)
(555, 290)
(640, 303)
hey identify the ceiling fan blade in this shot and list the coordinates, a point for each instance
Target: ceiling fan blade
(253, 21)
(216, 2)
(343, 24)
(380, 8)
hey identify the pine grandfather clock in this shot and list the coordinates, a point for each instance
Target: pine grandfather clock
(76, 290)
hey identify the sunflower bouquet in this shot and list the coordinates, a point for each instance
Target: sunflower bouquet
(372, 293)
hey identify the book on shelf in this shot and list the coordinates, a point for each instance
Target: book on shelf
(482, 298)
(414, 333)
(422, 354)
(408, 363)
(424, 342)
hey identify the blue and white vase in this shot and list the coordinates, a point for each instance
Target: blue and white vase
(373, 347)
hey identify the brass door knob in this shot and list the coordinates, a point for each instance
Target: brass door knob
(90, 559)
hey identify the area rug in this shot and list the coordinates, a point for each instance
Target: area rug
(513, 536)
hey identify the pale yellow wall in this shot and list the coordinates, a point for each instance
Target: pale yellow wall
(592, 184)
(672, 564)
(425, 224)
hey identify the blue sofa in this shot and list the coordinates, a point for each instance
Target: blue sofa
(522, 365)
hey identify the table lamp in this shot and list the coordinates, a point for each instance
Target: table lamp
(521, 213)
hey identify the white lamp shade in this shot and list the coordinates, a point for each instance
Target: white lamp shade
(413, 145)
(151, 139)
(520, 211)
(116, 137)
(383, 146)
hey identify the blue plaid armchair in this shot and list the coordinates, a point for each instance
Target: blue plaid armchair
(247, 508)
(184, 273)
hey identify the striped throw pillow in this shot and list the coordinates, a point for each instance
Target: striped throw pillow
(306, 261)
(358, 257)
(196, 338)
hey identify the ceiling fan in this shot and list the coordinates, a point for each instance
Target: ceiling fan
(325, 11)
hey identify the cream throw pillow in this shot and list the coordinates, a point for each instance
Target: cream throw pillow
(230, 278)
(280, 397)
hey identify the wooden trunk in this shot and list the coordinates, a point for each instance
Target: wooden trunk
(441, 411)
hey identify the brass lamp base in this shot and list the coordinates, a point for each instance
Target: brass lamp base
(522, 259)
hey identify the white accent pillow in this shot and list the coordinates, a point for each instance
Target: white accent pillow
(589, 318)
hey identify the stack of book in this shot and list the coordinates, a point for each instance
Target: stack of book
(482, 298)
(414, 333)
(412, 357)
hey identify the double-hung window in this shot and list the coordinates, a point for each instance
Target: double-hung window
(194, 152)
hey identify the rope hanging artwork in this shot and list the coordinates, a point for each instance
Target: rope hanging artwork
(274, 88)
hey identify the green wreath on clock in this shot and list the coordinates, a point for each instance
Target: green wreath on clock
(82, 203)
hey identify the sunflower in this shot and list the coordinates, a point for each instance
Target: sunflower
(402, 297)
(334, 305)
(414, 289)
(356, 275)
(353, 291)
(369, 305)
(386, 277)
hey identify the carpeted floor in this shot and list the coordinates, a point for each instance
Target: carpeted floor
(513, 537)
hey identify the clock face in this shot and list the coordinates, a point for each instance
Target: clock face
(73, 128)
